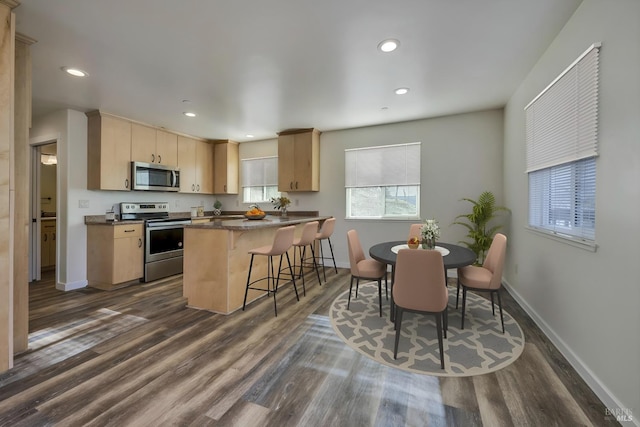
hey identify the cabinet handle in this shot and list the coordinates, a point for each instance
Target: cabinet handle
(54, 237)
(193, 187)
(129, 231)
(126, 183)
(45, 237)
(139, 243)
(291, 185)
(225, 188)
(198, 187)
(296, 185)
(153, 158)
(159, 158)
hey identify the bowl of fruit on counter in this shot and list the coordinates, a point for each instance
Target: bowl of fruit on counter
(255, 213)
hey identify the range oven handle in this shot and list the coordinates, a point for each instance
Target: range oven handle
(168, 224)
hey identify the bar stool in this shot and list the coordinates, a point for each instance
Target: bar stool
(325, 234)
(282, 242)
(306, 239)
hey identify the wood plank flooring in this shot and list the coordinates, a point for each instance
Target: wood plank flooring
(138, 357)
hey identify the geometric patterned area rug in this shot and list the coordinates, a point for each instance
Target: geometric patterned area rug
(478, 349)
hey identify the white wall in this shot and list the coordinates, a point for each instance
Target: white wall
(588, 302)
(461, 157)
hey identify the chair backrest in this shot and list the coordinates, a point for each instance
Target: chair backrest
(356, 254)
(283, 240)
(415, 231)
(495, 259)
(420, 281)
(327, 229)
(308, 233)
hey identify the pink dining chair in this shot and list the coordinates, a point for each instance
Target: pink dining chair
(487, 278)
(420, 287)
(307, 238)
(282, 242)
(363, 268)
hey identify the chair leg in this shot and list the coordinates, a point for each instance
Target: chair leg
(386, 286)
(293, 278)
(332, 257)
(440, 344)
(464, 303)
(357, 283)
(445, 318)
(304, 289)
(500, 305)
(398, 324)
(493, 310)
(315, 266)
(457, 293)
(324, 273)
(246, 291)
(350, 287)
(380, 295)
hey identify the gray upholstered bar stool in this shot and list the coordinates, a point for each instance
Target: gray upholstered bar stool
(307, 238)
(282, 242)
(325, 234)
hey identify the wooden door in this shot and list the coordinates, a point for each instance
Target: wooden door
(204, 167)
(143, 143)
(166, 148)
(286, 162)
(187, 164)
(115, 149)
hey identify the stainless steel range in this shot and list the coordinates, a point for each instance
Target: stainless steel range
(164, 237)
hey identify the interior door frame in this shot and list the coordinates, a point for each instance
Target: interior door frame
(35, 248)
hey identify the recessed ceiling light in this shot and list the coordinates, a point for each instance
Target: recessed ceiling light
(75, 71)
(402, 90)
(388, 45)
(189, 114)
(249, 135)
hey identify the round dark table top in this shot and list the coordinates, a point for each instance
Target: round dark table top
(459, 256)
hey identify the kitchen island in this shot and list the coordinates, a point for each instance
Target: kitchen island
(216, 259)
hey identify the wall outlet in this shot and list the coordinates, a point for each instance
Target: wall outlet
(83, 204)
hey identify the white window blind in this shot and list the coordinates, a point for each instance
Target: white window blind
(562, 145)
(562, 121)
(260, 172)
(383, 166)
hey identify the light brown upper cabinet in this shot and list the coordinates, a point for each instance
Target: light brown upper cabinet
(108, 152)
(225, 167)
(152, 145)
(299, 160)
(195, 160)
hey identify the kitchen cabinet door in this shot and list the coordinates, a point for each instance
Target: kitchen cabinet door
(115, 255)
(299, 160)
(109, 152)
(225, 168)
(143, 143)
(166, 148)
(195, 160)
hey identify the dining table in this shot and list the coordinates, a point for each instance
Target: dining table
(453, 256)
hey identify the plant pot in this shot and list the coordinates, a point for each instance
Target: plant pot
(428, 243)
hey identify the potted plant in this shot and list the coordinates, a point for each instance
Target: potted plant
(483, 211)
(281, 204)
(217, 207)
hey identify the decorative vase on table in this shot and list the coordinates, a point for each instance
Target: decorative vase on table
(430, 232)
(283, 212)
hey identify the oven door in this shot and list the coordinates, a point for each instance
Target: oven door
(164, 239)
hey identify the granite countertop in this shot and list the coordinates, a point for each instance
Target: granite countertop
(269, 221)
(226, 217)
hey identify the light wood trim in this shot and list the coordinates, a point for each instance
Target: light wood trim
(21, 207)
(7, 193)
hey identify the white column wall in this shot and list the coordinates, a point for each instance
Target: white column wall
(587, 302)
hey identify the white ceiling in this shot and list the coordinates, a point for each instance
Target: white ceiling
(262, 66)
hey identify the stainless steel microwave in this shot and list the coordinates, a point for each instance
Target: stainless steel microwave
(154, 177)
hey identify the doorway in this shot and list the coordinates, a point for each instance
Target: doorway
(44, 201)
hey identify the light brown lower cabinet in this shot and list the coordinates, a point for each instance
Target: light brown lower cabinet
(115, 255)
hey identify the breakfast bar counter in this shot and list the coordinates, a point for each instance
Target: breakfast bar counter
(216, 259)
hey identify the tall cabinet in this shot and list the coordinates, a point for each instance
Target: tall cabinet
(109, 152)
(299, 160)
(225, 167)
(195, 160)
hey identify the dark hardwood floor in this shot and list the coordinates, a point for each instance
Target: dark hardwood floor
(137, 356)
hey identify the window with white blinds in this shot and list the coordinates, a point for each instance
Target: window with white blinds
(562, 146)
(383, 182)
(259, 179)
